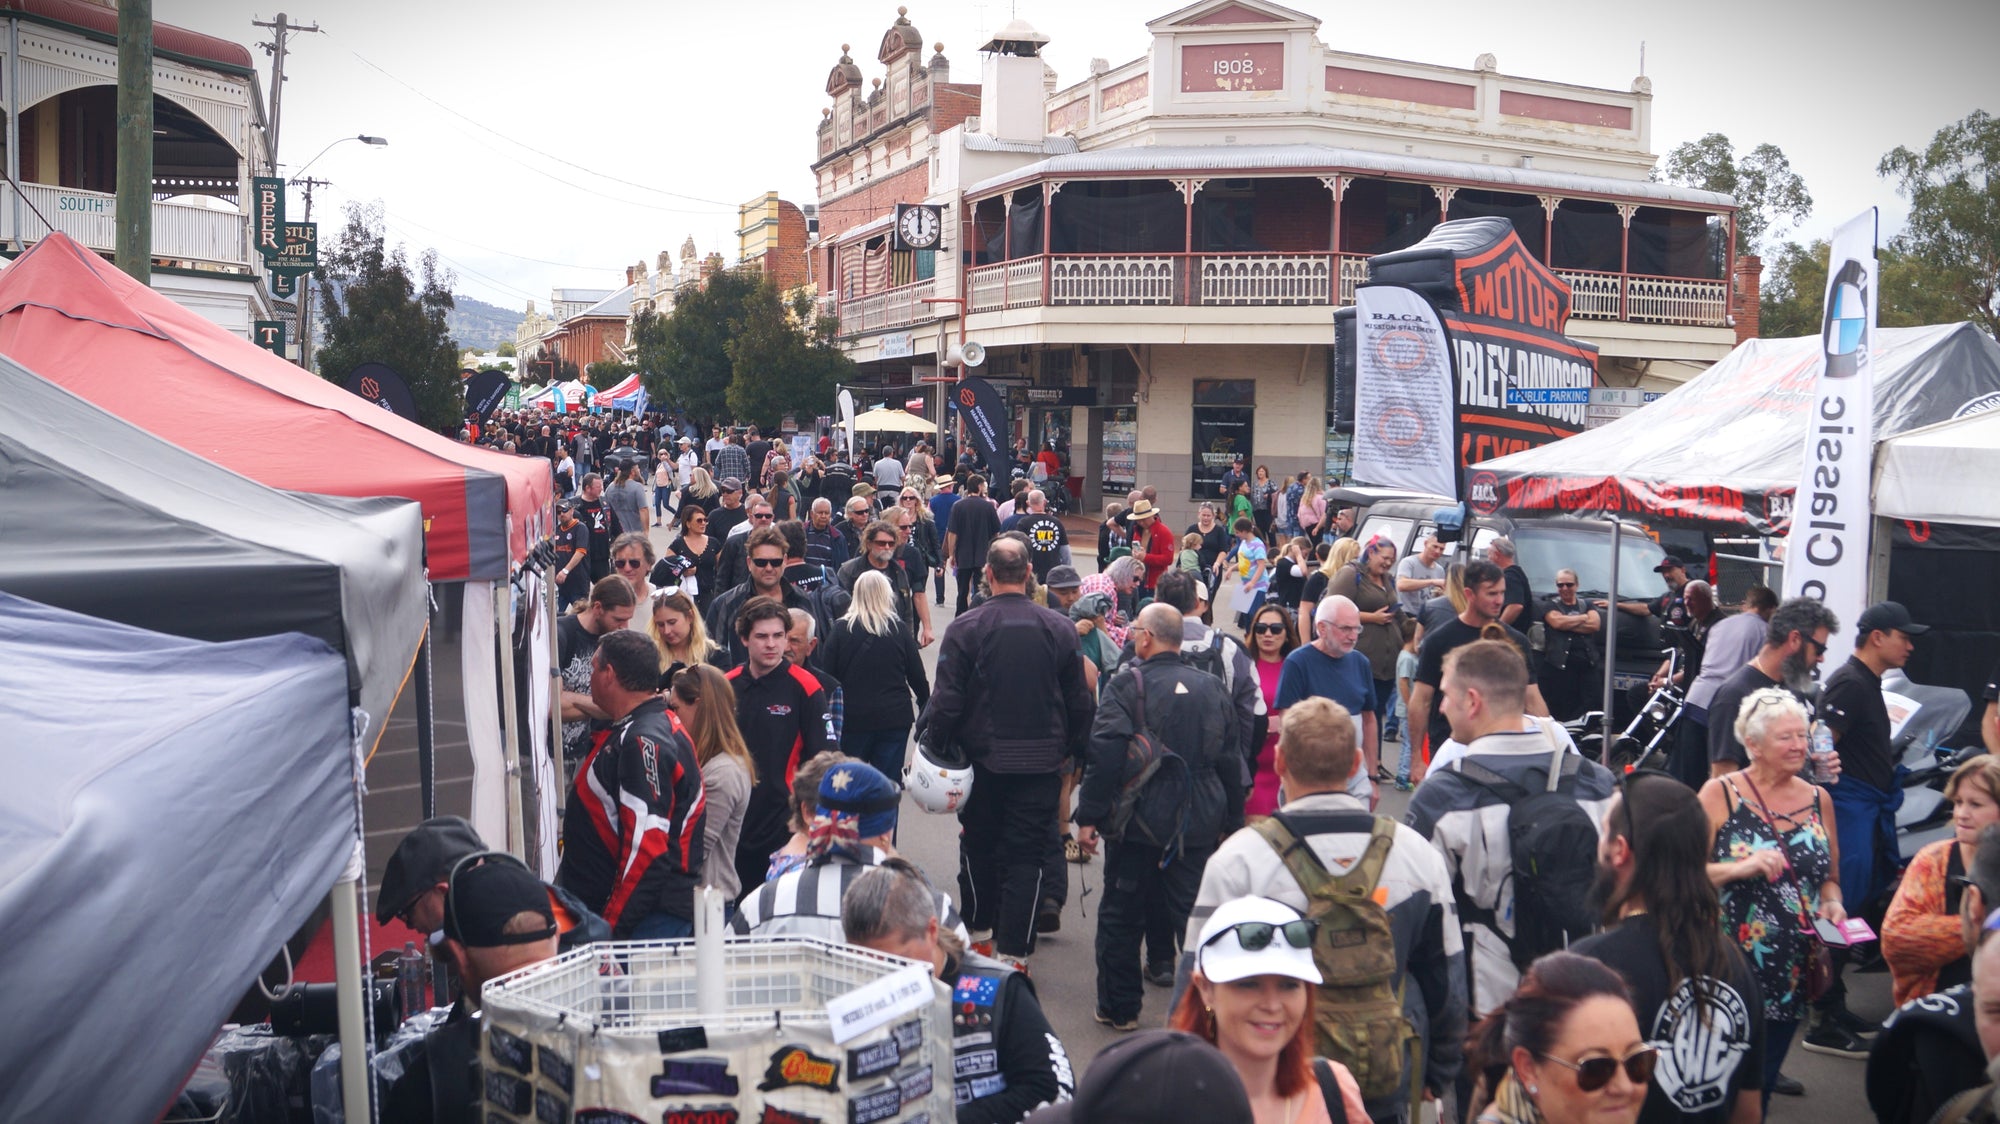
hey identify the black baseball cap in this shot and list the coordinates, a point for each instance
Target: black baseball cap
(1155, 1077)
(1669, 563)
(487, 895)
(1884, 616)
(423, 859)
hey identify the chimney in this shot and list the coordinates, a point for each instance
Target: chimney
(1744, 296)
(1011, 98)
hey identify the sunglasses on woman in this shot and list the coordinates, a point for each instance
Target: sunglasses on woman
(1593, 1074)
(1256, 936)
(1269, 628)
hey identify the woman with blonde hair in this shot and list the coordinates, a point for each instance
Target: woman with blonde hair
(1312, 509)
(675, 626)
(702, 699)
(1922, 938)
(701, 490)
(1333, 559)
(871, 652)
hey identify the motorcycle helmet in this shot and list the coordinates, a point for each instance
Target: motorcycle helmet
(939, 780)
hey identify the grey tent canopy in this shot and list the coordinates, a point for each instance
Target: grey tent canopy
(104, 518)
(173, 811)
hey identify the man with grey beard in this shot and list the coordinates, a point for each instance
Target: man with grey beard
(1794, 643)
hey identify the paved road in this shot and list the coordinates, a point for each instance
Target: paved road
(1065, 974)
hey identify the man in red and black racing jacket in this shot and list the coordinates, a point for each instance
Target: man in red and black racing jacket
(632, 831)
(781, 708)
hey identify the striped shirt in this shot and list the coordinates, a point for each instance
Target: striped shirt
(806, 902)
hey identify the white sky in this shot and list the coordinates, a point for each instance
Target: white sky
(719, 102)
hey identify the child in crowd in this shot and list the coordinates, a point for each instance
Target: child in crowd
(1406, 675)
(1189, 559)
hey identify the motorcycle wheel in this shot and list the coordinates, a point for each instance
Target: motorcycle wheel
(1624, 754)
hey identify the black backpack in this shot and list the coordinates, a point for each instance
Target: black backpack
(1553, 847)
(1156, 788)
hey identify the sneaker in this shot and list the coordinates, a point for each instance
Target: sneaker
(982, 941)
(1786, 1086)
(1048, 919)
(1829, 1038)
(1160, 975)
(1854, 1024)
(1403, 783)
(1120, 1025)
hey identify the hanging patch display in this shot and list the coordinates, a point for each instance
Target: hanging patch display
(915, 1084)
(871, 1107)
(695, 1075)
(511, 1050)
(908, 1035)
(682, 1039)
(549, 1108)
(605, 1116)
(874, 1058)
(775, 1115)
(556, 1069)
(693, 1115)
(508, 1093)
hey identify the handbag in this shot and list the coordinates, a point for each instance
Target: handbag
(1818, 976)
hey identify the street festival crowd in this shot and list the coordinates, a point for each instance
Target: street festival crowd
(1540, 939)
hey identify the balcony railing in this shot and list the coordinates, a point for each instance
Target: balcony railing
(181, 231)
(1282, 280)
(891, 308)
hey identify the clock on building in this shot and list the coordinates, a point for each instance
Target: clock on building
(918, 226)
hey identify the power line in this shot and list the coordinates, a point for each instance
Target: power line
(459, 265)
(408, 221)
(531, 148)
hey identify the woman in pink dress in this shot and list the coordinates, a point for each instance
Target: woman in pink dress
(1273, 635)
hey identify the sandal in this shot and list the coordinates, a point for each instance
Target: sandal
(1073, 851)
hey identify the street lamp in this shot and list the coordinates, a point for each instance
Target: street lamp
(298, 177)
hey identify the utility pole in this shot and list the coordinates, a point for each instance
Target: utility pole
(306, 292)
(134, 242)
(280, 28)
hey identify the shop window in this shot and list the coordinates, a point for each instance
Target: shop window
(1225, 413)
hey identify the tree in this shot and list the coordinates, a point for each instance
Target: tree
(783, 357)
(1793, 294)
(684, 357)
(606, 373)
(1954, 226)
(505, 350)
(1762, 182)
(377, 308)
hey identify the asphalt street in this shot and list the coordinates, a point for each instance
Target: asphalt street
(1064, 965)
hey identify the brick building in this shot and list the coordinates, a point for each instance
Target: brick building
(772, 239)
(1162, 244)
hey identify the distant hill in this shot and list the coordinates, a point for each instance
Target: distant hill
(481, 326)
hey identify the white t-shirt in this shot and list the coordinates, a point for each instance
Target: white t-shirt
(686, 463)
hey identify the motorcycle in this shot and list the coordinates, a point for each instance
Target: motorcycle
(1647, 738)
(1924, 763)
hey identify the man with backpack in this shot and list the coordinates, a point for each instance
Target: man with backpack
(1163, 783)
(1324, 855)
(1517, 820)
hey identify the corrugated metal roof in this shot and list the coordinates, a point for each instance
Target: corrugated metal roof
(1047, 146)
(618, 304)
(1255, 158)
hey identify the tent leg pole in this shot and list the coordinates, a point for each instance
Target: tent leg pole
(347, 974)
(503, 631)
(426, 725)
(1611, 643)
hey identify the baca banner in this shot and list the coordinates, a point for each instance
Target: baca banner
(985, 417)
(484, 391)
(384, 387)
(1403, 393)
(1826, 554)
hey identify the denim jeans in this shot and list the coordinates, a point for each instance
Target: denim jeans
(662, 927)
(885, 749)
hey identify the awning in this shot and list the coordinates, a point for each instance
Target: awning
(1941, 473)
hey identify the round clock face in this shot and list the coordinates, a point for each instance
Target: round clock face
(920, 227)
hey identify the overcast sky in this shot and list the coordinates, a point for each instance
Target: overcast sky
(512, 124)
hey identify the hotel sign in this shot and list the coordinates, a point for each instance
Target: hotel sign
(1208, 68)
(268, 197)
(300, 247)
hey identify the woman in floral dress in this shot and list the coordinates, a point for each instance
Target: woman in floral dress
(1775, 861)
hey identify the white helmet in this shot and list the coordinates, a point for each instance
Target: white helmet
(939, 781)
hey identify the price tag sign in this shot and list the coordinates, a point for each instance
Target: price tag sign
(879, 1003)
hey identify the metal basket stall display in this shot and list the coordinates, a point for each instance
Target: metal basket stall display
(760, 1031)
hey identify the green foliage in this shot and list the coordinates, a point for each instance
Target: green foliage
(1793, 294)
(606, 373)
(378, 308)
(1953, 185)
(733, 351)
(505, 350)
(550, 366)
(1763, 183)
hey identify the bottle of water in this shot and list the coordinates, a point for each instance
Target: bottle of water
(1819, 762)
(412, 980)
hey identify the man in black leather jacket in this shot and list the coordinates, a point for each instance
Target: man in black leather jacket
(1011, 694)
(1189, 711)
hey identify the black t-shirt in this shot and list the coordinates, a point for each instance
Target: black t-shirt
(1851, 704)
(604, 526)
(1722, 743)
(723, 519)
(568, 542)
(576, 647)
(1213, 544)
(1315, 588)
(1517, 594)
(975, 521)
(1046, 539)
(1710, 1038)
(1438, 643)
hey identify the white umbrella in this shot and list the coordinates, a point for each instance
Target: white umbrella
(892, 421)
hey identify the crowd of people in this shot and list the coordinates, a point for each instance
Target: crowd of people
(1537, 940)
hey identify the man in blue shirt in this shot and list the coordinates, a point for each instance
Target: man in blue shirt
(947, 494)
(1330, 668)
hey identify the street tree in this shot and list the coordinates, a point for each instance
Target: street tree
(605, 373)
(379, 307)
(1953, 185)
(1793, 292)
(683, 357)
(784, 359)
(1768, 193)
(505, 350)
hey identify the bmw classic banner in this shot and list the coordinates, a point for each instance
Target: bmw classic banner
(1826, 554)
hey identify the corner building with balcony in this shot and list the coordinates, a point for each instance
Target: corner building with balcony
(1152, 256)
(210, 137)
